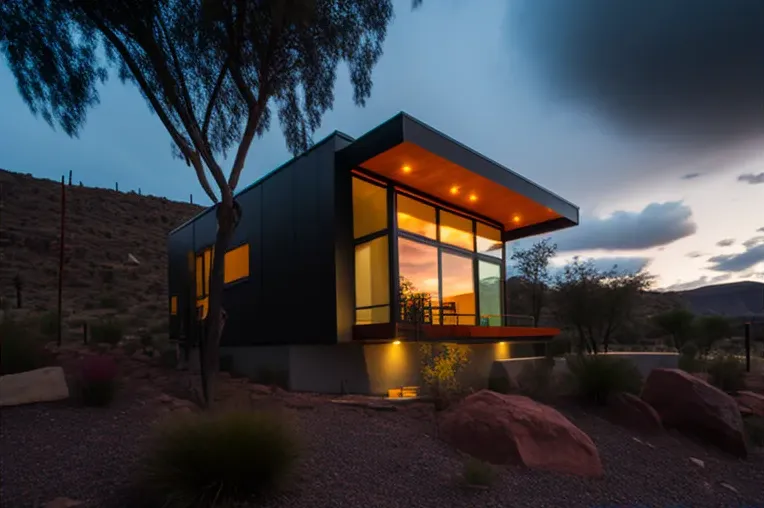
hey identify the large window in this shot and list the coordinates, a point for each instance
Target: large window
(453, 260)
(369, 208)
(236, 265)
(372, 282)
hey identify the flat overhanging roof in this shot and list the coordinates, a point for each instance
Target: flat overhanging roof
(414, 155)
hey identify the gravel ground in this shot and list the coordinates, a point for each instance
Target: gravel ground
(356, 457)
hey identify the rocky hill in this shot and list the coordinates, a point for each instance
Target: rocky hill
(737, 299)
(104, 229)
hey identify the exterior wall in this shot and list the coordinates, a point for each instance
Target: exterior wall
(288, 220)
(357, 368)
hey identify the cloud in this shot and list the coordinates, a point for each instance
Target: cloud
(691, 176)
(749, 258)
(751, 178)
(726, 242)
(695, 254)
(751, 242)
(694, 284)
(657, 224)
(760, 230)
(683, 71)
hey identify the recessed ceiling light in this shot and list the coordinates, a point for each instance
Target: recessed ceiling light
(473, 197)
(406, 169)
(516, 219)
(454, 190)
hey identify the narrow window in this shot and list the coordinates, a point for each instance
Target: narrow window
(236, 264)
(369, 208)
(174, 306)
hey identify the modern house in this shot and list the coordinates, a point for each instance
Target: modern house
(350, 254)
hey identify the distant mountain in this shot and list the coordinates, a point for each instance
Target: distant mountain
(737, 299)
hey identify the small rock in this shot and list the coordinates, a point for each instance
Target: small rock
(729, 487)
(697, 462)
(132, 260)
(164, 398)
(63, 502)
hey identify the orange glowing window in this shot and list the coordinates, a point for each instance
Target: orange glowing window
(199, 276)
(173, 305)
(236, 264)
(456, 230)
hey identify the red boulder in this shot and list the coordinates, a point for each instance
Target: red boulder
(751, 400)
(515, 429)
(696, 408)
(632, 412)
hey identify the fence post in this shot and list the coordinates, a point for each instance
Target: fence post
(116, 186)
(748, 347)
(191, 198)
(70, 178)
(61, 260)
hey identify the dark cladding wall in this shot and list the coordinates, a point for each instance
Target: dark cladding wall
(288, 219)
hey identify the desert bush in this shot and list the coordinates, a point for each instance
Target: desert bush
(478, 473)
(106, 331)
(441, 365)
(597, 377)
(213, 458)
(754, 430)
(98, 380)
(726, 373)
(49, 324)
(688, 358)
(20, 350)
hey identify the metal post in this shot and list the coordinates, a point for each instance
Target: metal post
(61, 260)
(748, 347)
(70, 178)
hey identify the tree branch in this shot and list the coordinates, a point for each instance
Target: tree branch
(213, 98)
(155, 103)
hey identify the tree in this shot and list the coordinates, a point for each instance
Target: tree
(678, 323)
(594, 303)
(532, 266)
(214, 72)
(711, 329)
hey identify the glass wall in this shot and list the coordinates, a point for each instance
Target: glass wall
(416, 217)
(372, 282)
(458, 289)
(369, 208)
(489, 293)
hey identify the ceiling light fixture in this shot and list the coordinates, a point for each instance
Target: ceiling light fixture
(473, 197)
(454, 190)
(406, 169)
(516, 219)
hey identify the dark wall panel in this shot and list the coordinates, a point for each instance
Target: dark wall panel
(344, 250)
(179, 281)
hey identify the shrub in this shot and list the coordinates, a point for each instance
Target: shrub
(727, 373)
(106, 331)
(49, 324)
(222, 457)
(478, 473)
(98, 380)
(19, 349)
(688, 358)
(441, 366)
(597, 377)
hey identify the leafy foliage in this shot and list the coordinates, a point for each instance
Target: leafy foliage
(532, 266)
(20, 351)
(596, 304)
(688, 358)
(98, 380)
(597, 377)
(726, 373)
(678, 323)
(441, 365)
(211, 458)
(711, 329)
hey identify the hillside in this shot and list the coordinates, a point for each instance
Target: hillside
(102, 228)
(737, 299)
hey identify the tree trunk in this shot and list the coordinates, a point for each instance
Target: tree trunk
(209, 345)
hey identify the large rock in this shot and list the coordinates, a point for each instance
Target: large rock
(511, 428)
(751, 400)
(696, 408)
(630, 411)
(39, 385)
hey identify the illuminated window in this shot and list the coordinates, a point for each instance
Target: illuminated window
(488, 240)
(456, 230)
(372, 282)
(458, 290)
(236, 264)
(489, 291)
(173, 305)
(199, 276)
(369, 208)
(416, 217)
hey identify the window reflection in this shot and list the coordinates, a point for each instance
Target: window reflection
(418, 269)
(369, 208)
(416, 217)
(488, 240)
(489, 293)
(456, 230)
(458, 290)
(372, 281)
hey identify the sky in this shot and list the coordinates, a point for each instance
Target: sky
(647, 115)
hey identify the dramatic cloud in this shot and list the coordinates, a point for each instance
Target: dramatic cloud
(749, 258)
(658, 224)
(726, 242)
(694, 284)
(691, 176)
(685, 71)
(751, 242)
(751, 178)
